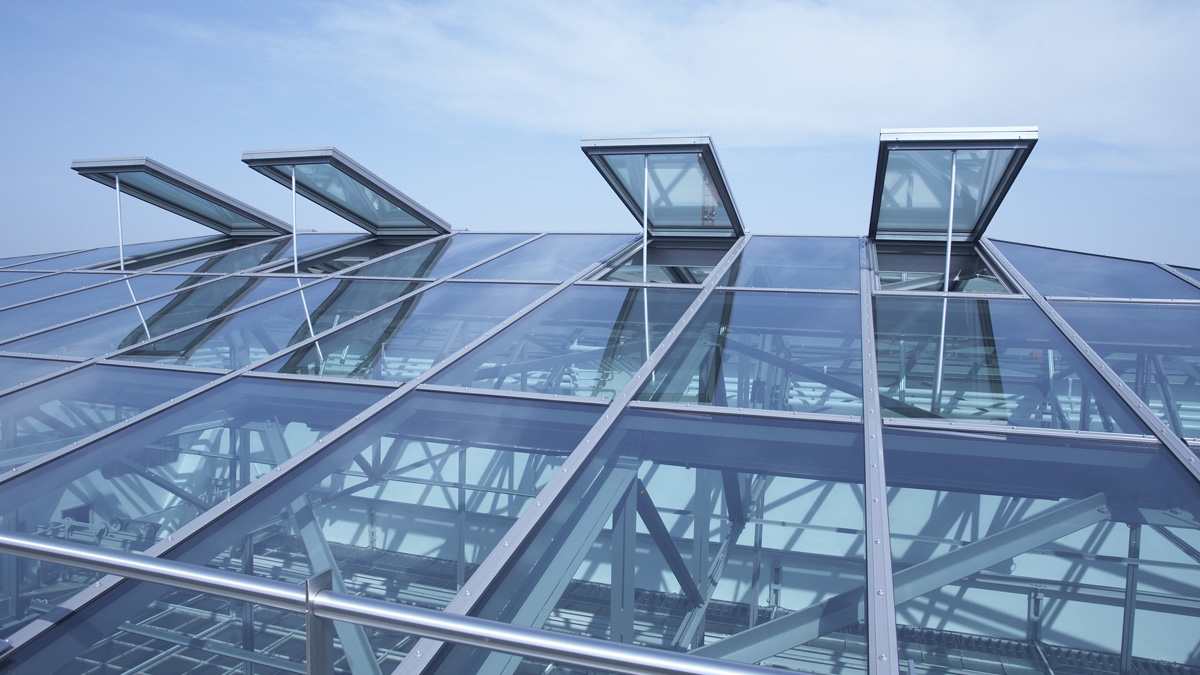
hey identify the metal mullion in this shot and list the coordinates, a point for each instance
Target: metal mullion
(36, 275)
(489, 572)
(1179, 274)
(636, 284)
(122, 276)
(507, 393)
(43, 257)
(881, 604)
(744, 412)
(952, 294)
(92, 593)
(1142, 301)
(759, 289)
(1173, 442)
(941, 425)
(320, 379)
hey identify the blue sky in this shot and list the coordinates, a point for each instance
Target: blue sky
(476, 108)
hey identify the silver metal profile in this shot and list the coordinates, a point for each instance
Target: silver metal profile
(184, 196)
(272, 164)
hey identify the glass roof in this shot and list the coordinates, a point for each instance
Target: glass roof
(913, 178)
(687, 188)
(166, 188)
(333, 180)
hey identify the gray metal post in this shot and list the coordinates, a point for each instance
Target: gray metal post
(318, 632)
(120, 230)
(1131, 580)
(881, 606)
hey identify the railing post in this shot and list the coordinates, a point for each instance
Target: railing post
(318, 632)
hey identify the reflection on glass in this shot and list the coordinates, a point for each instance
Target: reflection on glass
(554, 257)
(773, 351)
(995, 361)
(923, 268)
(1070, 274)
(257, 332)
(402, 509)
(730, 537)
(827, 263)
(1153, 348)
(586, 341)
(915, 202)
(52, 284)
(49, 415)
(206, 210)
(15, 371)
(310, 242)
(402, 342)
(351, 195)
(444, 256)
(236, 260)
(1023, 552)
(682, 194)
(53, 311)
(123, 328)
(671, 261)
(342, 257)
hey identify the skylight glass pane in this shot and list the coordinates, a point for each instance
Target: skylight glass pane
(682, 194)
(554, 257)
(51, 284)
(404, 341)
(236, 260)
(257, 332)
(769, 512)
(53, 311)
(922, 267)
(351, 195)
(826, 263)
(916, 192)
(73, 260)
(109, 332)
(49, 415)
(14, 277)
(203, 209)
(1000, 362)
(15, 371)
(19, 259)
(442, 257)
(1070, 274)
(995, 536)
(794, 351)
(586, 341)
(1154, 348)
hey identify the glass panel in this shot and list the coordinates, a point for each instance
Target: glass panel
(672, 261)
(1065, 273)
(344, 257)
(53, 284)
(13, 277)
(72, 261)
(53, 311)
(915, 202)
(772, 351)
(555, 257)
(734, 537)
(351, 195)
(236, 260)
(1153, 348)
(257, 332)
(995, 361)
(923, 268)
(116, 330)
(18, 259)
(206, 210)
(131, 489)
(828, 263)
(1018, 554)
(15, 371)
(682, 194)
(47, 416)
(586, 341)
(1193, 273)
(310, 242)
(444, 256)
(405, 341)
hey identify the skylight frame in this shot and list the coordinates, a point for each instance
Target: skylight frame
(1018, 139)
(597, 148)
(105, 171)
(273, 164)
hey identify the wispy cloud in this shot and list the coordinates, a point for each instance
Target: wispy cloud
(770, 71)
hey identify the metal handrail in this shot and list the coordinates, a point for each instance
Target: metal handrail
(334, 606)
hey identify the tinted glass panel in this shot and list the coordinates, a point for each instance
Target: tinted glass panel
(355, 197)
(586, 341)
(1154, 348)
(761, 518)
(923, 268)
(342, 257)
(1066, 273)
(555, 257)
(442, 257)
(404, 341)
(53, 311)
(1021, 551)
(671, 261)
(52, 284)
(17, 260)
(774, 351)
(205, 209)
(682, 194)
(998, 361)
(13, 277)
(257, 332)
(15, 371)
(797, 262)
(915, 203)
(123, 328)
(47, 416)
(236, 260)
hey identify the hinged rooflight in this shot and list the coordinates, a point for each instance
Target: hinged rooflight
(338, 183)
(912, 199)
(688, 193)
(166, 188)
